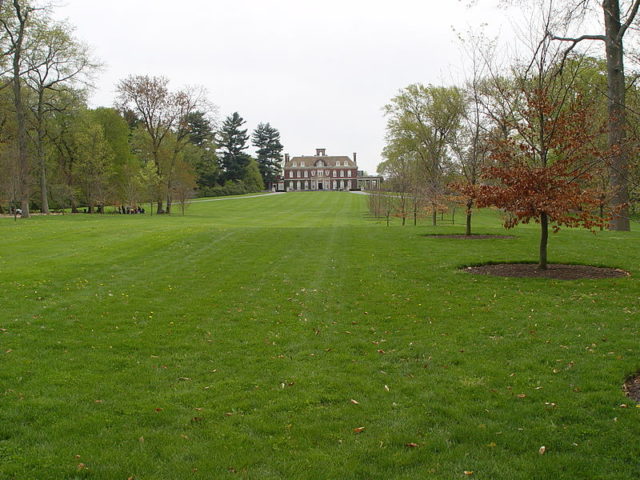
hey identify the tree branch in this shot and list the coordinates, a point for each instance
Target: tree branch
(575, 41)
(629, 21)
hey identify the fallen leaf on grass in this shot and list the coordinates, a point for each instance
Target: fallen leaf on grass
(386, 387)
(542, 450)
(81, 466)
(411, 445)
(159, 409)
(355, 402)
(521, 395)
(468, 472)
(358, 430)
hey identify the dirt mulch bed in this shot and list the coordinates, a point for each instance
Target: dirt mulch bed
(555, 271)
(632, 388)
(471, 237)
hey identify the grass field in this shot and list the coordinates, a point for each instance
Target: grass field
(254, 338)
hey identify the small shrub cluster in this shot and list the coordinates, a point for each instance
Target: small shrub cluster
(236, 187)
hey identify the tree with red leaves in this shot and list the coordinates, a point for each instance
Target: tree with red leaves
(545, 172)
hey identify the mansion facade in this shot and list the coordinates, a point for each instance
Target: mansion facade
(319, 172)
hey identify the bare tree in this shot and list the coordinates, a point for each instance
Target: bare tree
(150, 98)
(185, 103)
(165, 118)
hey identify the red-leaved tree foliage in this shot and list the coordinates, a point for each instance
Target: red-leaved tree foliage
(547, 170)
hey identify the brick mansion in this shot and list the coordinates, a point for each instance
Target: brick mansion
(320, 172)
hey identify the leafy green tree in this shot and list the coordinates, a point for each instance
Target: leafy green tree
(422, 121)
(266, 140)
(252, 177)
(54, 62)
(17, 19)
(232, 140)
(116, 133)
(95, 165)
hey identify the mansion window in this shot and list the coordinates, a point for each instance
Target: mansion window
(302, 164)
(335, 174)
(298, 173)
(306, 174)
(342, 173)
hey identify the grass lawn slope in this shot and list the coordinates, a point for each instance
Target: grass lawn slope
(292, 336)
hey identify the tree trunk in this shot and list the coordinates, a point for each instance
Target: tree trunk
(468, 228)
(434, 215)
(169, 199)
(544, 239)
(415, 215)
(44, 196)
(23, 156)
(618, 176)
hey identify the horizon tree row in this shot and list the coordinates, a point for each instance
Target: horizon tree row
(530, 139)
(156, 145)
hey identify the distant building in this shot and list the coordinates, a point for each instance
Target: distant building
(369, 182)
(319, 172)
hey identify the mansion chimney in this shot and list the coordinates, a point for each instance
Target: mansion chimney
(354, 157)
(286, 157)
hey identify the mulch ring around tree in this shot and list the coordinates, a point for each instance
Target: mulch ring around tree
(632, 387)
(473, 236)
(555, 271)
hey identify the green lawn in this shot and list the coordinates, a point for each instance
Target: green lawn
(234, 342)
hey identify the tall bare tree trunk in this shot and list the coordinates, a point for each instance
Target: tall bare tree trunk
(616, 92)
(23, 155)
(44, 195)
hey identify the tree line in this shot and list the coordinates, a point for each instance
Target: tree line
(545, 138)
(155, 145)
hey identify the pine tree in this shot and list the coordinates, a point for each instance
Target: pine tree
(203, 151)
(233, 141)
(266, 139)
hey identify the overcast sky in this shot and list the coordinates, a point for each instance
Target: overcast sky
(320, 71)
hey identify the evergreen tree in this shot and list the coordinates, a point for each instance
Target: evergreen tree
(200, 130)
(233, 141)
(266, 139)
(202, 155)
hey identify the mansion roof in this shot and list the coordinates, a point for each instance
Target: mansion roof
(320, 160)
